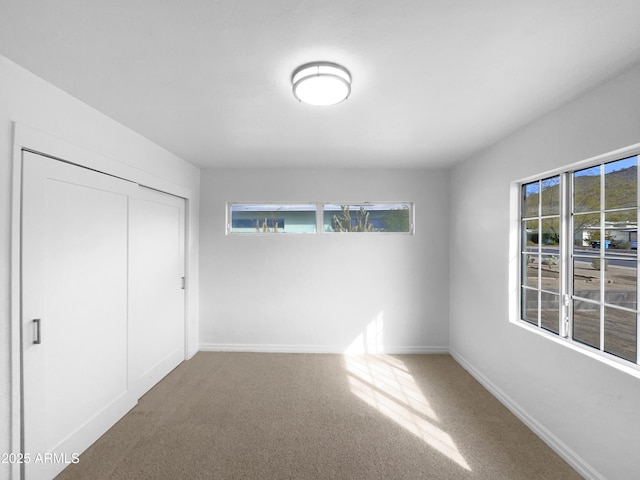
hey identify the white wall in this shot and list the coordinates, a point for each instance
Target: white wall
(321, 292)
(584, 406)
(28, 100)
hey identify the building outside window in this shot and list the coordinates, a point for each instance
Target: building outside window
(271, 218)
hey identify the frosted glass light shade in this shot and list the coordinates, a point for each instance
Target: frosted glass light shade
(321, 83)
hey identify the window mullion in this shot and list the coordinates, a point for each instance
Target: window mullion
(540, 236)
(320, 217)
(566, 241)
(603, 249)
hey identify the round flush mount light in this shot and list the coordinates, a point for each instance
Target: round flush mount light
(321, 83)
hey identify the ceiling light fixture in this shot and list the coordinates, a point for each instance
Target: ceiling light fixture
(321, 83)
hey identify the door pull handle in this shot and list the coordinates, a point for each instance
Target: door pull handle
(37, 340)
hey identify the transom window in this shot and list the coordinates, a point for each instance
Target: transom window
(579, 256)
(271, 218)
(366, 217)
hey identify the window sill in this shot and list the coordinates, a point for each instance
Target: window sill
(619, 364)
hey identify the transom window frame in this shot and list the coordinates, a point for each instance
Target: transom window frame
(564, 262)
(269, 221)
(320, 209)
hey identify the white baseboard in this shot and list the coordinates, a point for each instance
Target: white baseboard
(566, 453)
(145, 381)
(277, 348)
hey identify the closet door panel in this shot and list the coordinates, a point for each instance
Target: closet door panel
(158, 333)
(75, 310)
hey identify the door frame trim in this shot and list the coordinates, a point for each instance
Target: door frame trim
(30, 139)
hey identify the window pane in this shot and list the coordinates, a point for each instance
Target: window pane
(586, 323)
(530, 199)
(586, 230)
(530, 264)
(550, 311)
(586, 190)
(551, 196)
(621, 232)
(551, 232)
(367, 218)
(621, 183)
(530, 236)
(620, 333)
(620, 285)
(586, 277)
(273, 218)
(529, 307)
(550, 273)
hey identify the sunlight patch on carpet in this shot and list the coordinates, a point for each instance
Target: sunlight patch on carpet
(384, 383)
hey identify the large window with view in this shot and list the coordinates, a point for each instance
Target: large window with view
(579, 256)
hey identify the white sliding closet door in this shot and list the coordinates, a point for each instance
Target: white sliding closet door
(158, 332)
(75, 312)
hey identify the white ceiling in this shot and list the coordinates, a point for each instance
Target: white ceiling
(434, 81)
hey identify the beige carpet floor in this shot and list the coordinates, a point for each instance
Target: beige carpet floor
(316, 416)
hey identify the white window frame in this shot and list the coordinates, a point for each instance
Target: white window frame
(319, 211)
(565, 261)
(230, 205)
(411, 206)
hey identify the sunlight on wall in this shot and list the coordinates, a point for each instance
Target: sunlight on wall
(384, 383)
(370, 340)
